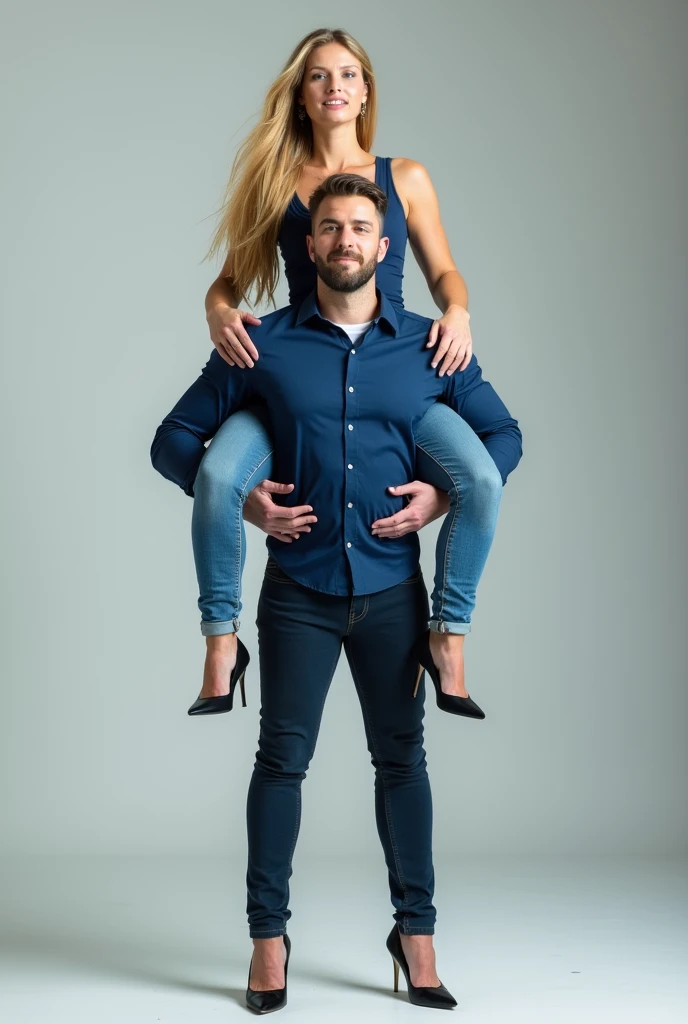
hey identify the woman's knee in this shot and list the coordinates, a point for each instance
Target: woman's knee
(238, 458)
(484, 479)
(219, 477)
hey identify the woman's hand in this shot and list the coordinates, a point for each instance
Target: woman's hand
(455, 342)
(286, 524)
(425, 504)
(229, 336)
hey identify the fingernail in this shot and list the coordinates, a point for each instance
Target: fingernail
(433, 365)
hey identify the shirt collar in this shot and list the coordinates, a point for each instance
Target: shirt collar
(309, 308)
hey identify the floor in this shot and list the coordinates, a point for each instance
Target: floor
(150, 939)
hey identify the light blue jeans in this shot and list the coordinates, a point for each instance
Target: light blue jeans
(449, 455)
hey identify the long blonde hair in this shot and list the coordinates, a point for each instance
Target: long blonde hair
(267, 168)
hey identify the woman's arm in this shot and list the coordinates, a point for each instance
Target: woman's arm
(226, 323)
(430, 247)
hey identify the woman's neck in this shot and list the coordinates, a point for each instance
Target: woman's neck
(337, 149)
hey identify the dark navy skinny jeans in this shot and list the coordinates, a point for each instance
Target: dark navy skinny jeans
(300, 633)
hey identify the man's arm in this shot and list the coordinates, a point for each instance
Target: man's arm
(477, 402)
(178, 445)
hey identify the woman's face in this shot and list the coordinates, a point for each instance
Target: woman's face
(332, 89)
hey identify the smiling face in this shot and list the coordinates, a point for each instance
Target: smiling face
(346, 246)
(332, 89)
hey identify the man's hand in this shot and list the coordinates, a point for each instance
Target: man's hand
(286, 524)
(425, 504)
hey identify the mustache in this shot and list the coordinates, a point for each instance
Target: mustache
(347, 253)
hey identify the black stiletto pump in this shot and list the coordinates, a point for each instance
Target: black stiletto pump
(274, 998)
(445, 701)
(437, 996)
(216, 705)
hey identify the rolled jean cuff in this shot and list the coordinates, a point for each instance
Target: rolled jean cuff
(270, 933)
(219, 628)
(438, 626)
(416, 929)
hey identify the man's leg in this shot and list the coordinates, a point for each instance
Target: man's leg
(379, 642)
(300, 636)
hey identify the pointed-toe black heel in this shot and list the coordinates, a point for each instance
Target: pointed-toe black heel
(274, 998)
(216, 705)
(438, 997)
(445, 701)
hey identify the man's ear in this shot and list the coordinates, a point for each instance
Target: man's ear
(382, 249)
(311, 247)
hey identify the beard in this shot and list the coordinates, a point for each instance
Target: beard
(342, 279)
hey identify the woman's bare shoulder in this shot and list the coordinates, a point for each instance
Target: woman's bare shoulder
(411, 178)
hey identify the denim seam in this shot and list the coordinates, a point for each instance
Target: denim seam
(350, 619)
(451, 528)
(237, 561)
(363, 614)
(392, 837)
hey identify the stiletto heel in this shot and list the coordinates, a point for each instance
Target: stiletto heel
(436, 996)
(216, 705)
(445, 701)
(274, 998)
(418, 679)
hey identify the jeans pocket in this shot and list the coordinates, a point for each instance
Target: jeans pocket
(414, 577)
(277, 575)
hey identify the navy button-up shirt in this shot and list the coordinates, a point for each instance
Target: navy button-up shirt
(342, 417)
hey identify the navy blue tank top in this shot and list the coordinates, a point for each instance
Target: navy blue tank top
(296, 224)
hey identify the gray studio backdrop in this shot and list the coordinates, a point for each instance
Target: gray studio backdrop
(555, 134)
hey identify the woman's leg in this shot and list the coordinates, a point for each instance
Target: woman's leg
(450, 456)
(238, 458)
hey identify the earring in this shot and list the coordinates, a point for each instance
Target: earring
(363, 109)
(302, 113)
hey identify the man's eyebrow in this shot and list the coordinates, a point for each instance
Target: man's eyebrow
(333, 220)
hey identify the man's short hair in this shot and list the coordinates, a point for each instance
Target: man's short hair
(349, 185)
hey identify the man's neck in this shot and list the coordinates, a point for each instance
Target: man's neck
(348, 307)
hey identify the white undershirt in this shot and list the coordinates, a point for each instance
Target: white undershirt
(355, 331)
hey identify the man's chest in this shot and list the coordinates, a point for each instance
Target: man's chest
(375, 380)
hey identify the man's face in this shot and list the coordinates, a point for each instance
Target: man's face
(346, 246)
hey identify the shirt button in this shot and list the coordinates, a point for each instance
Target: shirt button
(353, 351)
(350, 389)
(351, 504)
(350, 466)
(351, 426)
(348, 544)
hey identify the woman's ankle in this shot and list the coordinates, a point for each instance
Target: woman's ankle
(221, 643)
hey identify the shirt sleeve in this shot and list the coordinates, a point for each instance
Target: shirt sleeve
(179, 443)
(477, 402)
